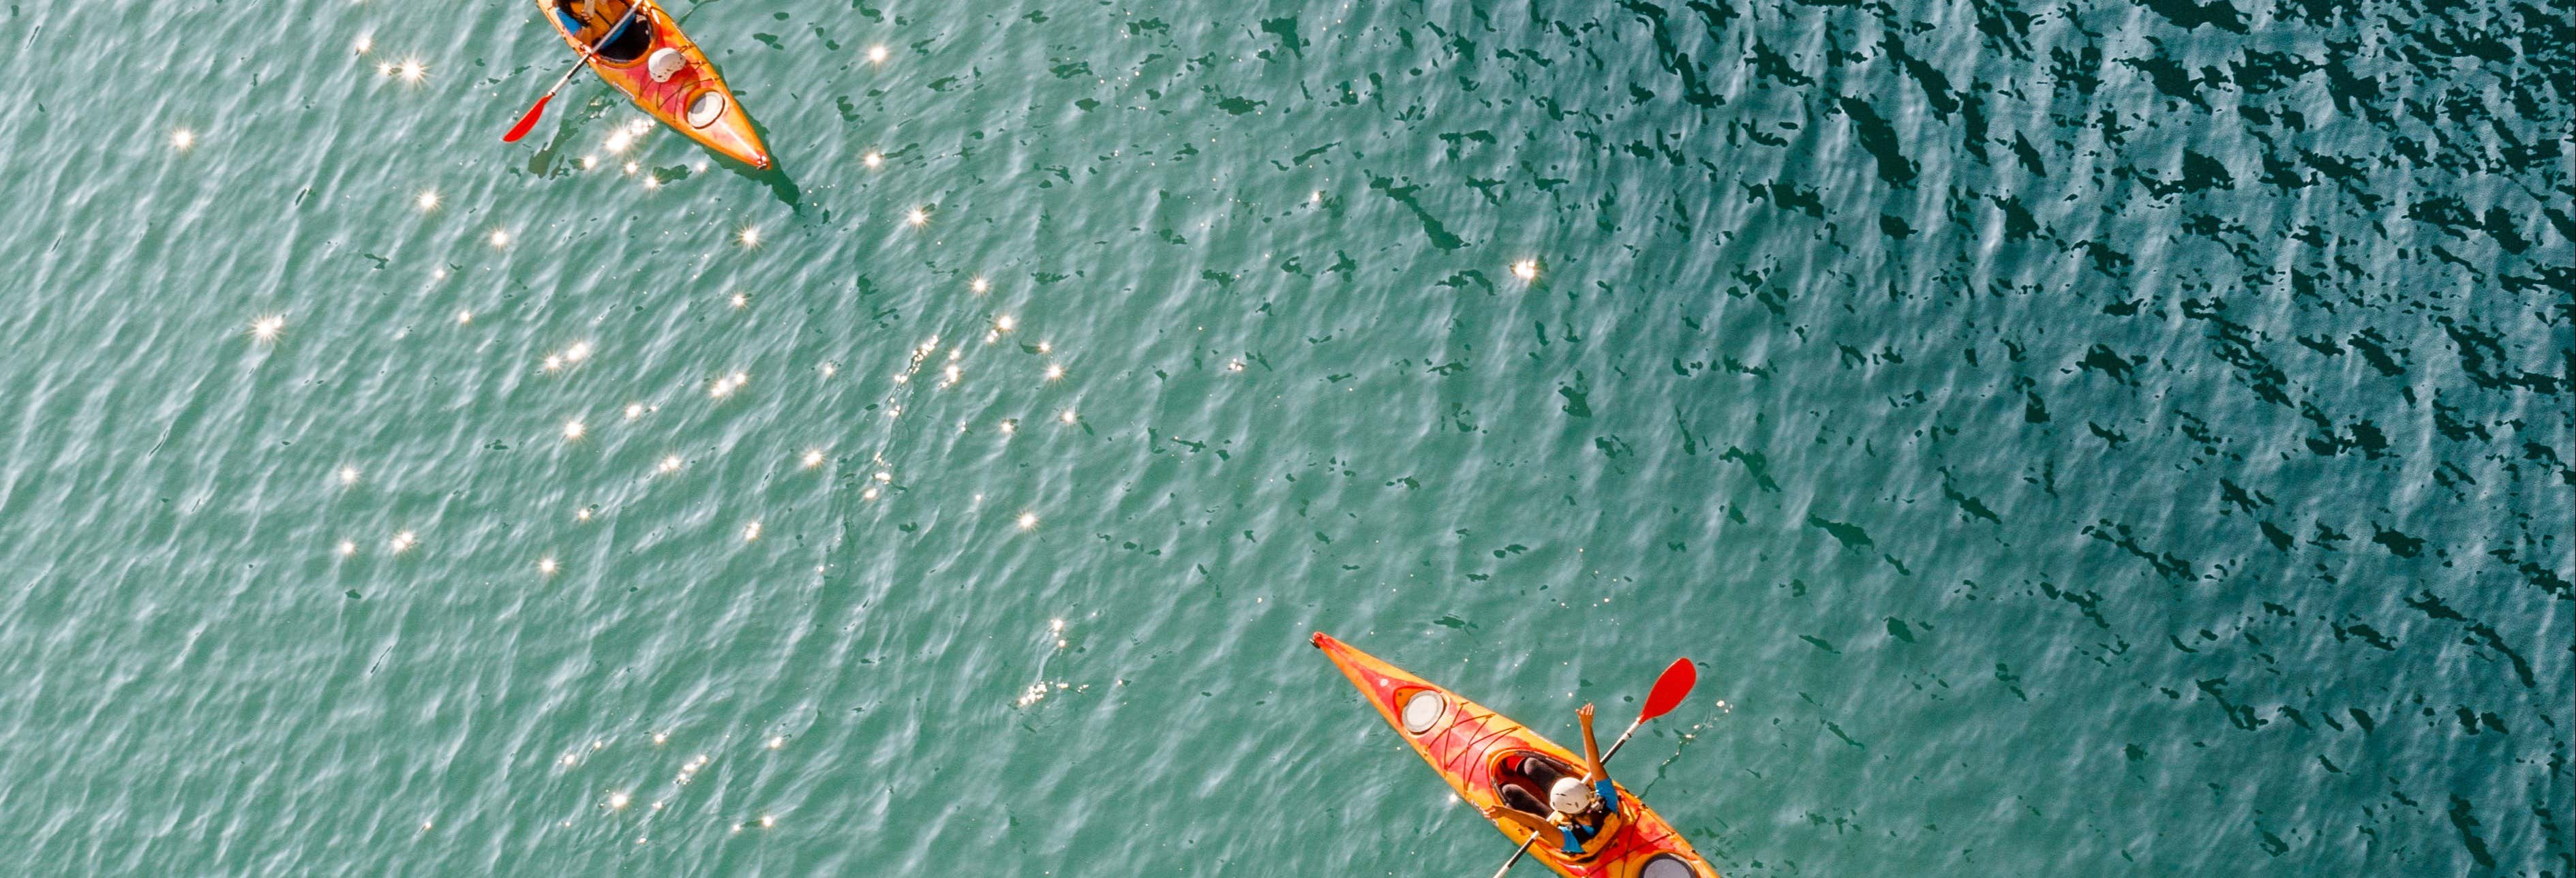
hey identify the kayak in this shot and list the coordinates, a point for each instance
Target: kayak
(654, 63)
(1493, 761)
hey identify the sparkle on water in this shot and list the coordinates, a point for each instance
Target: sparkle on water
(427, 200)
(267, 329)
(725, 386)
(183, 139)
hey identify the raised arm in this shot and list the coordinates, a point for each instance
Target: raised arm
(1591, 747)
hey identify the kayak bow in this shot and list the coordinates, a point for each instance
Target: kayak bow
(1492, 761)
(687, 95)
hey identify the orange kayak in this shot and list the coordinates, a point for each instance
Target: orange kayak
(1493, 761)
(654, 63)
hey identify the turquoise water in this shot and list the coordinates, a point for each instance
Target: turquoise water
(2071, 439)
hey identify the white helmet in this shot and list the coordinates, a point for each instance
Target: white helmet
(1570, 796)
(665, 62)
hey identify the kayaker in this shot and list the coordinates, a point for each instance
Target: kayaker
(1580, 808)
(589, 20)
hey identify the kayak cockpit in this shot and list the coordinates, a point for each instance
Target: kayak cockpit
(1523, 777)
(622, 47)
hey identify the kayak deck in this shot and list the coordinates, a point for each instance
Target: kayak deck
(1489, 760)
(689, 96)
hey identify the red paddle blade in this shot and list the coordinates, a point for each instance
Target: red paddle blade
(528, 121)
(1670, 689)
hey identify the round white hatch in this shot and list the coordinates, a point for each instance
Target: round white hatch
(1423, 709)
(1668, 867)
(706, 108)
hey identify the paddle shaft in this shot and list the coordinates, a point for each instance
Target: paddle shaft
(589, 52)
(1533, 837)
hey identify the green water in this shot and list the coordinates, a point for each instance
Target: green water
(2087, 438)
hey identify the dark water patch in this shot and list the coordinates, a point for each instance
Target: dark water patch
(2087, 602)
(2101, 358)
(1431, 226)
(2464, 818)
(1935, 85)
(1669, 54)
(1897, 628)
(2174, 569)
(2367, 635)
(1850, 535)
(1285, 28)
(2398, 543)
(1967, 504)
(1772, 65)
(1879, 138)
(1755, 465)
(2168, 77)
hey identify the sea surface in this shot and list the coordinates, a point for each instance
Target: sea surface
(2071, 438)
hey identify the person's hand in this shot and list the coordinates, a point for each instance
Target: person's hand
(1491, 812)
(1584, 713)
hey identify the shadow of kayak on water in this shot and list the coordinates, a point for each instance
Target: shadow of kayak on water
(781, 186)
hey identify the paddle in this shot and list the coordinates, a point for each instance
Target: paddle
(1670, 688)
(530, 120)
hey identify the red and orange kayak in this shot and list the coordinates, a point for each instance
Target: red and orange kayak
(1493, 761)
(681, 88)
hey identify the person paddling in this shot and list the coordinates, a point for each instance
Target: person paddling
(1580, 808)
(589, 20)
